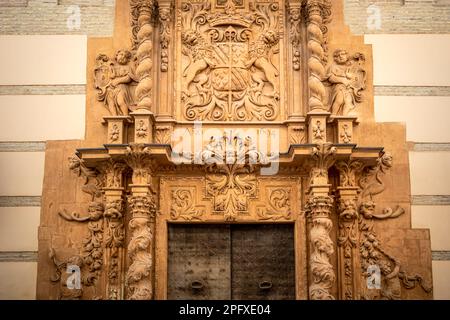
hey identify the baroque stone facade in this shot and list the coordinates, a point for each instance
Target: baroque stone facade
(230, 112)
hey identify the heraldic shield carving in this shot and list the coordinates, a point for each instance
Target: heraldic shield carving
(231, 74)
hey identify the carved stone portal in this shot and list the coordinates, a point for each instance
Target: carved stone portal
(232, 114)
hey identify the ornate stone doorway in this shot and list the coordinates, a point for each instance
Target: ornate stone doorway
(231, 113)
(239, 262)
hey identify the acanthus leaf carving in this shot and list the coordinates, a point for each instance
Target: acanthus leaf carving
(323, 157)
(230, 75)
(231, 178)
(318, 209)
(92, 180)
(278, 206)
(138, 278)
(92, 245)
(183, 207)
(372, 253)
(138, 158)
(163, 135)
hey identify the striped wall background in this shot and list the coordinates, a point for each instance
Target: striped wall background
(42, 97)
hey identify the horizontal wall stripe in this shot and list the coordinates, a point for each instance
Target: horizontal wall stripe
(9, 201)
(43, 90)
(430, 200)
(410, 91)
(35, 201)
(424, 147)
(81, 89)
(31, 256)
(25, 146)
(18, 256)
(441, 255)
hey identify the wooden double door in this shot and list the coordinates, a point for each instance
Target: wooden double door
(240, 262)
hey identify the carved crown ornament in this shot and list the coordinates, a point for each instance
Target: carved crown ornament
(231, 112)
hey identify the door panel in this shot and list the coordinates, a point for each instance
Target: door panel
(199, 262)
(231, 262)
(262, 262)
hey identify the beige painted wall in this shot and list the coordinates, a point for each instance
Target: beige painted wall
(400, 60)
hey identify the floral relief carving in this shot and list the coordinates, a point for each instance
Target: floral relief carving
(295, 33)
(141, 129)
(93, 247)
(278, 206)
(92, 179)
(230, 75)
(116, 82)
(348, 171)
(347, 78)
(231, 179)
(318, 132)
(183, 206)
(165, 15)
(346, 135)
(115, 133)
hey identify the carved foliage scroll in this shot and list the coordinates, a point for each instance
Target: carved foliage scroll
(393, 276)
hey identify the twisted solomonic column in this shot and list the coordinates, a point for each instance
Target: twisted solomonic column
(141, 23)
(318, 13)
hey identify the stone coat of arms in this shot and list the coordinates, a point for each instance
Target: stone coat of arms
(230, 74)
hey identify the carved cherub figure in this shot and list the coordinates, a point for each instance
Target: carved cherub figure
(347, 78)
(116, 82)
